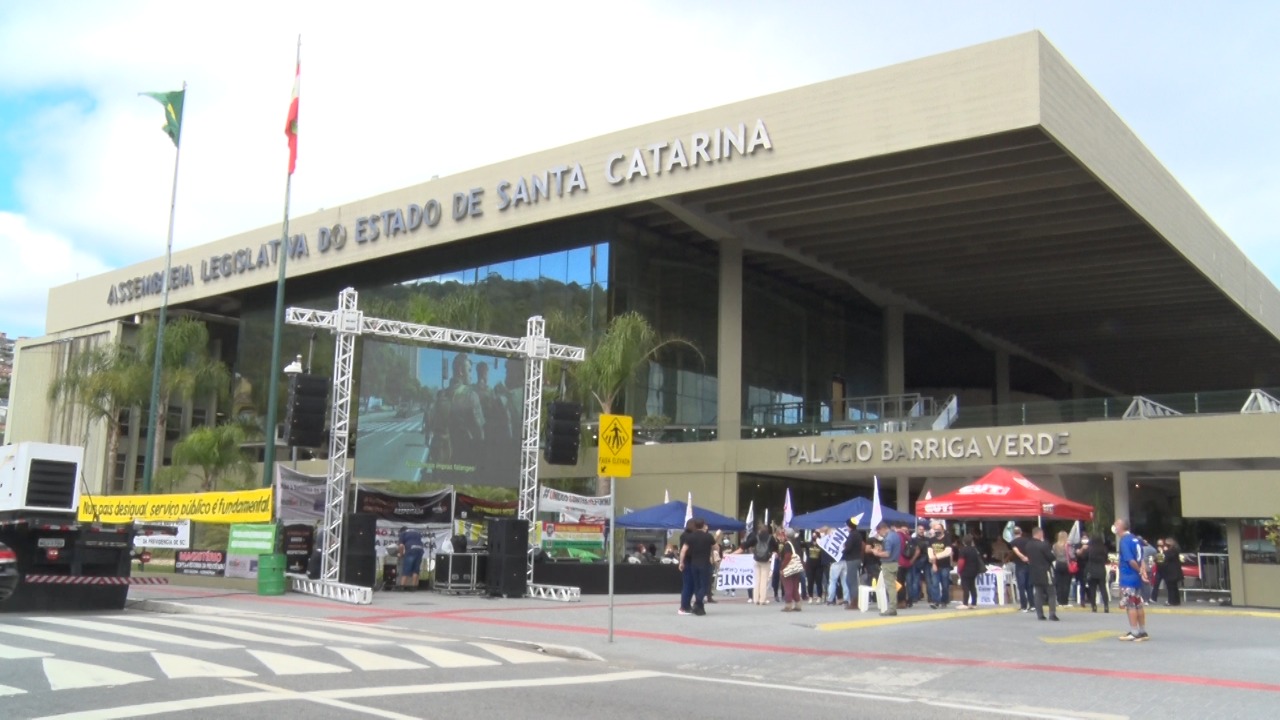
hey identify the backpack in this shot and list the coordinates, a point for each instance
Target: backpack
(762, 553)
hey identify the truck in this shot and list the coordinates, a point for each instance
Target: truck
(49, 559)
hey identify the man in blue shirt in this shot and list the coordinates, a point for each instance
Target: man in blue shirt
(411, 552)
(1133, 574)
(890, 551)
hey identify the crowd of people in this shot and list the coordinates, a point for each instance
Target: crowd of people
(918, 564)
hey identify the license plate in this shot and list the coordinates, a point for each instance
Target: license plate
(51, 542)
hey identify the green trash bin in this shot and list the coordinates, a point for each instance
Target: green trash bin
(271, 574)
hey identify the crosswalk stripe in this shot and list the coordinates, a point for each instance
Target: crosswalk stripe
(8, 652)
(6, 690)
(301, 632)
(366, 660)
(179, 666)
(282, 664)
(355, 627)
(514, 655)
(448, 658)
(137, 633)
(69, 675)
(223, 632)
(65, 639)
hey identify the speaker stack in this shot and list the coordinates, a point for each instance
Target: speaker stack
(359, 560)
(508, 557)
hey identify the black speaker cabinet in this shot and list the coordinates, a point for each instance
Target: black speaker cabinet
(357, 569)
(505, 576)
(359, 533)
(508, 537)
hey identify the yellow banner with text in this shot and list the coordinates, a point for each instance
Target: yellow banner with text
(245, 506)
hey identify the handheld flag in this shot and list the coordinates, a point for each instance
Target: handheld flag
(786, 511)
(666, 497)
(688, 510)
(751, 516)
(877, 515)
(291, 122)
(172, 102)
(1074, 536)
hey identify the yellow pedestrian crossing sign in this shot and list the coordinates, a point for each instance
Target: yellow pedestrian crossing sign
(615, 446)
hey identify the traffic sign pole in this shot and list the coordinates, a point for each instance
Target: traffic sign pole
(614, 461)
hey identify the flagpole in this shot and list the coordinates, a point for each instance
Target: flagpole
(148, 465)
(274, 369)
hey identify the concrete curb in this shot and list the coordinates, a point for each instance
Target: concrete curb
(169, 607)
(569, 652)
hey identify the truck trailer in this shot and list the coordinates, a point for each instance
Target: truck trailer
(49, 559)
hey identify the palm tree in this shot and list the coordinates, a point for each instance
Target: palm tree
(103, 381)
(187, 370)
(628, 344)
(215, 452)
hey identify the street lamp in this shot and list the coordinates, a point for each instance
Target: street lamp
(290, 370)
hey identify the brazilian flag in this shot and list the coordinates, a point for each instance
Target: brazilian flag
(172, 102)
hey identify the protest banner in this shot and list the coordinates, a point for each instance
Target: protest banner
(832, 543)
(181, 540)
(736, 571)
(211, 507)
(200, 562)
(244, 544)
(579, 508)
(433, 508)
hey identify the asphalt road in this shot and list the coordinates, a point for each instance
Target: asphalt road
(433, 655)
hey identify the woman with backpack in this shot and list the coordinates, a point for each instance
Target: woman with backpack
(762, 547)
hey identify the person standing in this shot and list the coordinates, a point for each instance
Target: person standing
(939, 568)
(1133, 575)
(762, 547)
(1040, 559)
(918, 578)
(1021, 570)
(971, 565)
(889, 551)
(1062, 568)
(411, 551)
(1171, 572)
(813, 567)
(790, 583)
(905, 562)
(1093, 570)
(686, 569)
(854, 553)
(696, 553)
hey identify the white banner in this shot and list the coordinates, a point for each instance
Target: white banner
(736, 571)
(987, 584)
(181, 541)
(833, 542)
(572, 506)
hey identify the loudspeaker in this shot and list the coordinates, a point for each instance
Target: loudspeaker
(359, 533)
(508, 563)
(308, 401)
(358, 569)
(564, 431)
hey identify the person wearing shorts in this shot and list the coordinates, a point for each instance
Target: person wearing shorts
(1133, 575)
(411, 552)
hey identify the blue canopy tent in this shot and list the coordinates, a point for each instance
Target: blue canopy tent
(838, 515)
(670, 516)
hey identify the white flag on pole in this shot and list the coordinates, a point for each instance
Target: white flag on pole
(751, 516)
(1074, 536)
(876, 514)
(688, 510)
(666, 497)
(786, 511)
(766, 517)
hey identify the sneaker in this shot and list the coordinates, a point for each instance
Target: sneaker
(682, 611)
(933, 606)
(699, 610)
(711, 600)
(889, 613)
(1141, 637)
(1128, 637)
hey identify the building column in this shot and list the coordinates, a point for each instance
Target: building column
(904, 494)
(1120, 496)
(729, 342)
(894, 353)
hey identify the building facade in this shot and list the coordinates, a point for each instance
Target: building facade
(912, 274)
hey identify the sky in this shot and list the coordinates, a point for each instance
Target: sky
(394, 93)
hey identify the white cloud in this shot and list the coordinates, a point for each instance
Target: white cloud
(45, 259)
(394, 92)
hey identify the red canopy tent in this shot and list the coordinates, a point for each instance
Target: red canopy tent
(1002, 493)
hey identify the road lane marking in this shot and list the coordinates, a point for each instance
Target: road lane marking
(400, 634)
(5, 690)
(1081, 638)
(70, 675)
(449, 687)
(514, 655)
(299, 631)
(223, 632)
(331, 702)
(180, 666)
(448, 658)
(65, 639)
(125, 712)
(282, 664)
(366, 660)
(880, 621)
(137, 633)
(8, 652)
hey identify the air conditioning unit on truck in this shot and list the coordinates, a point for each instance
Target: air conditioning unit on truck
(49, 559)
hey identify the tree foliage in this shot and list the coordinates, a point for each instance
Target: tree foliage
(213, 454)
(103, 381)
(188, 369)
